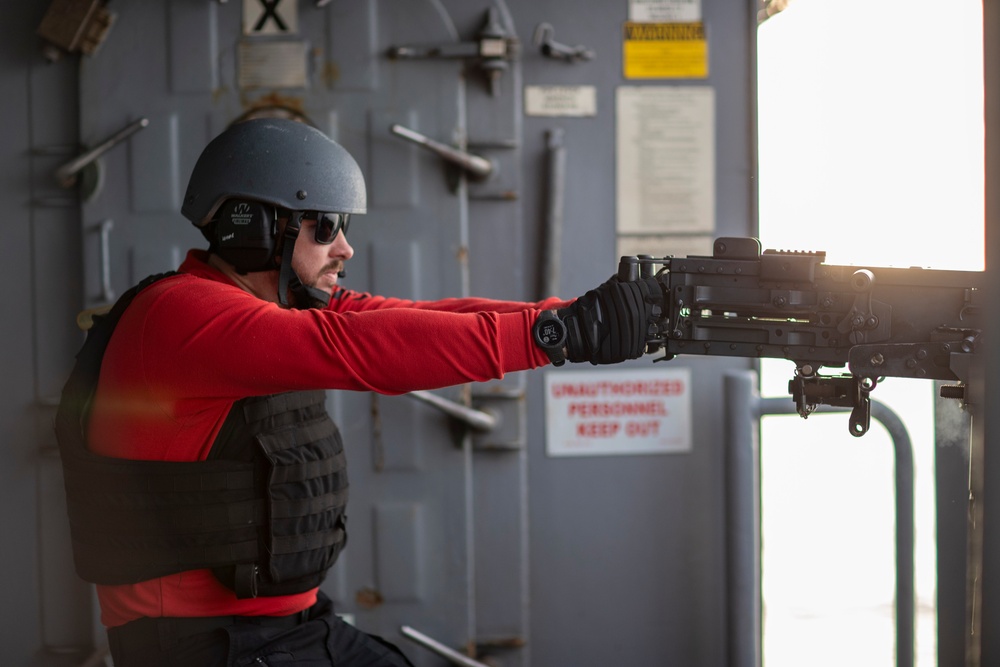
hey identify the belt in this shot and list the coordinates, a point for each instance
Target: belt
(162, 633)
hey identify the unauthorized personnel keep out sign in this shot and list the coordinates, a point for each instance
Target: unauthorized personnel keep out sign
(593, 413)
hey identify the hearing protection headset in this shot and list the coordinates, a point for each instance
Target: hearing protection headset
(245, 234)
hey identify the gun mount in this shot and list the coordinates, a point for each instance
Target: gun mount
(877, 321)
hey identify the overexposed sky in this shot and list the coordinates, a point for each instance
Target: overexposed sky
(871, 131)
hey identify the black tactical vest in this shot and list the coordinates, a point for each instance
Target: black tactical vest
(265, 511)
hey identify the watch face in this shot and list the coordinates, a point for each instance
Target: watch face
(550, 333)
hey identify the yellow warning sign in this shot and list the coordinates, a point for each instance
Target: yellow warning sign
(665, 51)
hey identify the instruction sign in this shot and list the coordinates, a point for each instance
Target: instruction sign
(665, 167)
(602, 413)
(273, 64)
(664, 11)
(665, 50)
(560, 100)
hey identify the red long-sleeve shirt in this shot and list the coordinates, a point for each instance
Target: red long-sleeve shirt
(191, 345)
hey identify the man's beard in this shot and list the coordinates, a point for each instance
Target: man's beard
(301, 298)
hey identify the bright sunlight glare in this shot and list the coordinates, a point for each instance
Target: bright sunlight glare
(871, 132)
(871, 149)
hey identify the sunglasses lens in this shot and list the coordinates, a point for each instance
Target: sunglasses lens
(328, 225)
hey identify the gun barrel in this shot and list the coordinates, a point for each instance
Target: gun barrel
(791, 305)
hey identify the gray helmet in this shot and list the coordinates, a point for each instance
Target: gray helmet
(278, 161)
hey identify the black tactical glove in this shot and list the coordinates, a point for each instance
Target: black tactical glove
(606, 325)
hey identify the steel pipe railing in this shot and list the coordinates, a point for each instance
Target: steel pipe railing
(743, 407)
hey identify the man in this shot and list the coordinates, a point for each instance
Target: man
(206, 485)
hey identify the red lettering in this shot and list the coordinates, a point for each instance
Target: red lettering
(642, 429)
(612, 388)
(597, 429)
(616, 409)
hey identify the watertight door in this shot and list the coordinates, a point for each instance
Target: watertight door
(191, 68)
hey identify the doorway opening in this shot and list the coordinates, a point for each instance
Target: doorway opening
(870, 144)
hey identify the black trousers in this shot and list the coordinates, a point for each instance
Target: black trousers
(315, 638)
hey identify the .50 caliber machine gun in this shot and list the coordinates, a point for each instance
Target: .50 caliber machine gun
(879, 322)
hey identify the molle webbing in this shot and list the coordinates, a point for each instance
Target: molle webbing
(265, 511)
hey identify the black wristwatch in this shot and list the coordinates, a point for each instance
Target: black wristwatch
(549, 333)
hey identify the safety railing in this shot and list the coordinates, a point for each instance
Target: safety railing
(744, 408)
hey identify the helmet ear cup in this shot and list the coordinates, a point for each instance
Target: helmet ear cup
(245, 234)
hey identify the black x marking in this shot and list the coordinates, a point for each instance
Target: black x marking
(269, 12)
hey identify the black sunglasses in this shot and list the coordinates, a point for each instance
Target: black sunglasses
(328, 225)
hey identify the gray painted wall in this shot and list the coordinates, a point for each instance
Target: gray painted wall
(624, 554)
(43, 601)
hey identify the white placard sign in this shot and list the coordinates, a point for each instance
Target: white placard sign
(664, 245)
(665, 176)
(560, 100)
(602, 413)
(273, 64)
(664, 11)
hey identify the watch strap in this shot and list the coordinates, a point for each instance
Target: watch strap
(549, 333)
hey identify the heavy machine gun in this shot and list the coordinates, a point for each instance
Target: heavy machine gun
(878, 322)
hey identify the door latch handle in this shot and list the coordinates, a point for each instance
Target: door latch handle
(66, 175)
(492, 52)
(104, 229)
(477, 166)
(451, 655)
(544, 38)
(477, 419)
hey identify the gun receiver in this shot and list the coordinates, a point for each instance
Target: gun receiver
(879, 322)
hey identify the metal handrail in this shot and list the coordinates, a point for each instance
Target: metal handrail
(480, 420)
(451, 655)
(743, 406)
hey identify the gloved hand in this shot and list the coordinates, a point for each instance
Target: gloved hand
(607, 325)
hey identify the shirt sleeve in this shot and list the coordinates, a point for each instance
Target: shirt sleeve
(210, 340)
(345, 300)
